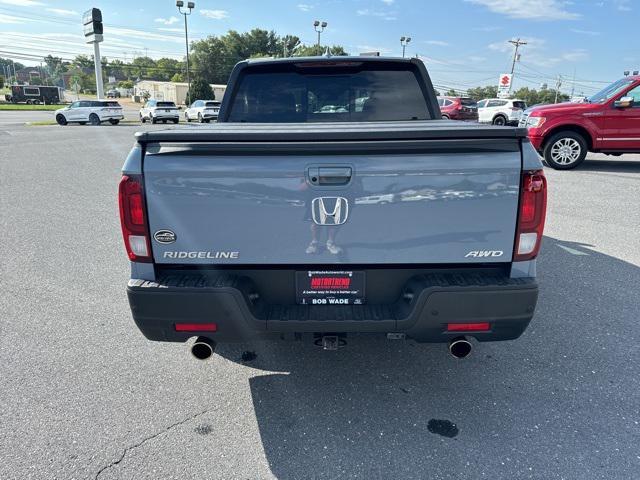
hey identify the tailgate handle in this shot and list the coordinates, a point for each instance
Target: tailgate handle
(330, 175)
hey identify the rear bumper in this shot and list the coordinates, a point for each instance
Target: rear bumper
(428, 304)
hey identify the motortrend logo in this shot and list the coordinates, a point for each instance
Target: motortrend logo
(484, 253)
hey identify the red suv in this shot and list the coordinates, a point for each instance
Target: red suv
(608, 122)
(458, 108)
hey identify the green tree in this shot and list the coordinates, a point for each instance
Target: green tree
(82, 61)
(315, 50)
(165, 68)
(177, 78)
(200, 90)
(1, 81)
(451, 93)
(125, 84)
(214, 57)
(480, 93)
(143, 67)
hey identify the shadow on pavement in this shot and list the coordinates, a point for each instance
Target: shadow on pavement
(559, 402)
(613, 166)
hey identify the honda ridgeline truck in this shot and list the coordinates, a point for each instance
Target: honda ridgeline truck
(607, 122)
(332, 199)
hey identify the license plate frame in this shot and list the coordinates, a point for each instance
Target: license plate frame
(330, 287)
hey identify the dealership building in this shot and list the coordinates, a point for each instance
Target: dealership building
(170, 91)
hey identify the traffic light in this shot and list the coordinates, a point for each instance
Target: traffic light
(92, 22)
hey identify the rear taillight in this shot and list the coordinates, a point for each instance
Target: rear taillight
(533, 207)
(133, 218)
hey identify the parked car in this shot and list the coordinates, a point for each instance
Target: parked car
(35, 94)
(500, 111)
(202, 111)
(288, 223)
(113, 93)
(90, 111)
(458, 108)
(159, 111)
(608, 122)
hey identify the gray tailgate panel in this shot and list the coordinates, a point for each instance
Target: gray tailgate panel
(425, 208)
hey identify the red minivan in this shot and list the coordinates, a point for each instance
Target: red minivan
(458, 108)
(607, 122)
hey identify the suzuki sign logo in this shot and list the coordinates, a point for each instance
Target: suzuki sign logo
(330, 210)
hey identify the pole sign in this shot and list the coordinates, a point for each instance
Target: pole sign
(504, 85)
(92, 25)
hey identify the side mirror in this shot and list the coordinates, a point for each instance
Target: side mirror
(624, 102)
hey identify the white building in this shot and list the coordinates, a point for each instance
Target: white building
(171, 91)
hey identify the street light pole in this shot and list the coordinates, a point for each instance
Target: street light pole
(404, 41)
(190, 7)
(319, 27)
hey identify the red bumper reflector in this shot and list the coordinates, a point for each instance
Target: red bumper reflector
(468, 327)
(196, 327)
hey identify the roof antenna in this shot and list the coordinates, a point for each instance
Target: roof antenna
(327, 53)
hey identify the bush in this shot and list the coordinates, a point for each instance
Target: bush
(1, 81)
(200, 90)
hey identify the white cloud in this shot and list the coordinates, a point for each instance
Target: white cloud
(62, 11)
(591, 33)
(533, 44)
(22, 3)
(388, 2)
(437, 43)
(10, 19)
(365, 12)
(130, 32)
(529, 9)
(172, 29)
(623, 5)
(578, 55)
(167, 21)
(305, 7)
(371, 48)
(215, 14)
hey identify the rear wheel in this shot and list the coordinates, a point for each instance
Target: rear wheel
(29, 102)
(200, 119)
(500, 120)
(186, 117)
(114, 121)
(142, 119)
(445, 116)
(565, 150)
(176, 120)
(94, 119)
(153, 119)
(61, 120)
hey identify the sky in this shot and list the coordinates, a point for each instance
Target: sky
(464, 43)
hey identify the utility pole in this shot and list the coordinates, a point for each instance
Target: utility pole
(573, 83)
(558, 85)
(516, 57)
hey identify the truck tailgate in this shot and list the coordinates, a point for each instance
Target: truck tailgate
(423, 193)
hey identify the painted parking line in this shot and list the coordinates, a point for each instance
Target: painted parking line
(572, 251)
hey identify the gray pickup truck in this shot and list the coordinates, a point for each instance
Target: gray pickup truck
(332, 199)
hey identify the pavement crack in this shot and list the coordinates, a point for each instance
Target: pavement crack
(149, 438)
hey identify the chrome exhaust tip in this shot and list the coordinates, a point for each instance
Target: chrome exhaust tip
(459, 347)
(203, 348)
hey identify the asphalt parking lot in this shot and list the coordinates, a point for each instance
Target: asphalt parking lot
(84, 395)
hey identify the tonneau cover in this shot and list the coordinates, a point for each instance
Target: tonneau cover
(334, 131)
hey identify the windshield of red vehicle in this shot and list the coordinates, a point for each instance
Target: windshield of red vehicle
(336, 93)
(610, 91)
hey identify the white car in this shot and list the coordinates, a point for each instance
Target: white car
(90, 111)
(500, 111)
(159, 111)
(202, 111)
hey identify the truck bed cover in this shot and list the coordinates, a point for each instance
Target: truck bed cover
(334, 131)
